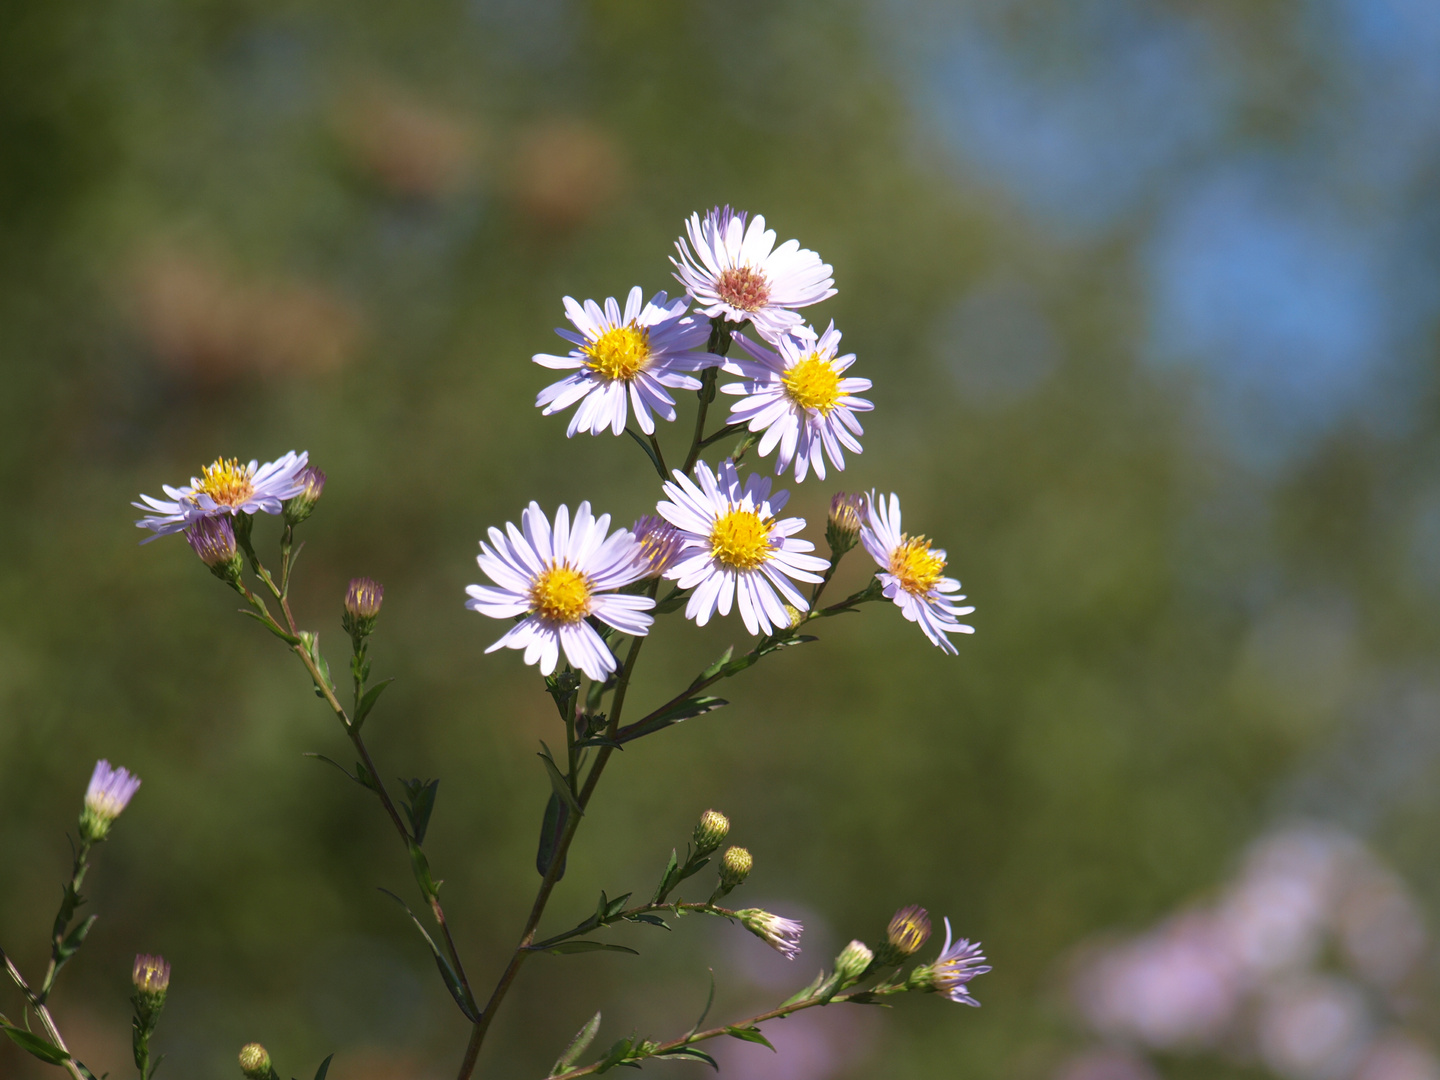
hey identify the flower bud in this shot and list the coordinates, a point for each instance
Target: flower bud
(362, 607)
(255, 1062)
(782, 935)
(710, 833)
(213, 539)
(842, 528)
(852, 963)
(110, 791)
(151, 975)
(660, 543)
(301, 506)
(907, 933)
(735, 867)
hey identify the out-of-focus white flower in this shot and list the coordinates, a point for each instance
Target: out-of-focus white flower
(798, 396)
(739, 273)
(558, 578)
(1396, 1056)
(1106, 1063)
(225, 487)
(1313, 1028)
(913, 574)
(624, 359)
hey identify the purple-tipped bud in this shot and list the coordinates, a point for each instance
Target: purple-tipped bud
(110, 791)
(907, 933)
(782, 935)
(362, 607)
(151, 974)
(301, 506)
(213, 539)
(659, 543)
(842, 527)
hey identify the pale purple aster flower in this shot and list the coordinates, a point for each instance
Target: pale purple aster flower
(110, 791)
(739, 273)
(623, 359)
(913, 574)
(735, 550)
(225, 487)
(799, 398)
(782, 935)
(558, 578)
(660, 543)
(958, 964)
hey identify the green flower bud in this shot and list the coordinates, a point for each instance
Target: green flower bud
(710, 833)
(906, 935)
(852, 963)
(735, 866)
(362, 607)
(842, 528)
(255, 1062)
(299, 507)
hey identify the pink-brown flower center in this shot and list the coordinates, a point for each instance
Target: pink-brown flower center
(743, 288)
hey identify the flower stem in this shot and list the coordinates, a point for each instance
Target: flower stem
(76, 1071)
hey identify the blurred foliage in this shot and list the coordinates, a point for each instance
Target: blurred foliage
(245, 227)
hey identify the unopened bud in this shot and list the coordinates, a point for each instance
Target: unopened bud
(362, 606)
(735, 866)
(151, 975)
(213, 539)
(255, 1062)
(852, 962)
(660, 544)
(842, 528)
(711, 832)
(907, 933)
(301, 506)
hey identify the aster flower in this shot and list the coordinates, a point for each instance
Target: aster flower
(225, 487)
(799, 399)
(110, 791)
(913, 574)
(736, 549)
(782, 935)
(951, 973)
(739, 273)
(558, 578)
(660, 543)
(623, 359)
(213, 539)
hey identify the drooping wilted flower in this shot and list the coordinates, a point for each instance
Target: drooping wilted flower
(363, 598)
(224, 487)
(558, 577)
(660, 543)
(213, 539)
(842, 527)
(301, 506)
(110, 791)
(797, 395)
(913, 574)
(634, 357)
(735, 550)
(782, 935)
(739, 273)
(951, 973)
(711, 832)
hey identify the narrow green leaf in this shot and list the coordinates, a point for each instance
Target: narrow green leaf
(74, 940)
(368, 701)
(41, 1048)
(671, 868)
(452, 980)
(649, 451)
(646, 917)
(421, 866)
(578, 1045)
(420, 805)
(708, 1002)
(332, 761)
(561, 948)
(808, 992)
(617, 1053)
(557, 814)
(685, 710)
(749, 1034)
(289, 639)
(324, 1068)
(715, 668)
(559, 783)
(614, 907)
(688, 1053)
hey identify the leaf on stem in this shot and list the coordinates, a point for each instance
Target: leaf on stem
(43, 1049)
(420, 803)
(649, 452)
(73, 941)
(646, 917)
(617, 1054)
(421, 865)
(558, 781)
(452, 980)
(708, 1002)
(574, 945)
(552, 828)
(332, 761)
(805, 994)
(273, 627)
(672, 601)
(749, 1034)
(578, 1045)
(687, 1053)
(368, 701)
(324, 1068)
(678, 713)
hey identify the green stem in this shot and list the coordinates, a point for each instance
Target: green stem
(69, 902)
(629, 913)
(46, 1020)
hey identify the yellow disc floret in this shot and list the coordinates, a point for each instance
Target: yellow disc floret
(560, 594)
(227, 482)
(915, 566)
(741, 539)
(813, 383)
(619, 353)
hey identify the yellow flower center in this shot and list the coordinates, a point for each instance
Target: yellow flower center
(813, 383)
(561, 594)
(741, 539)
(619, 353)
(227, 482)
(917, 568)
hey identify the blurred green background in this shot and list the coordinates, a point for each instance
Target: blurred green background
(1148, 292)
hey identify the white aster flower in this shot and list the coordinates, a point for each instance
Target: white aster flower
(782, 935)
(913, 574)
(799, 399)
(226, 487)
(625, 358)
(740, 273)
(735, 548)
(558, 578)
(958, 963)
